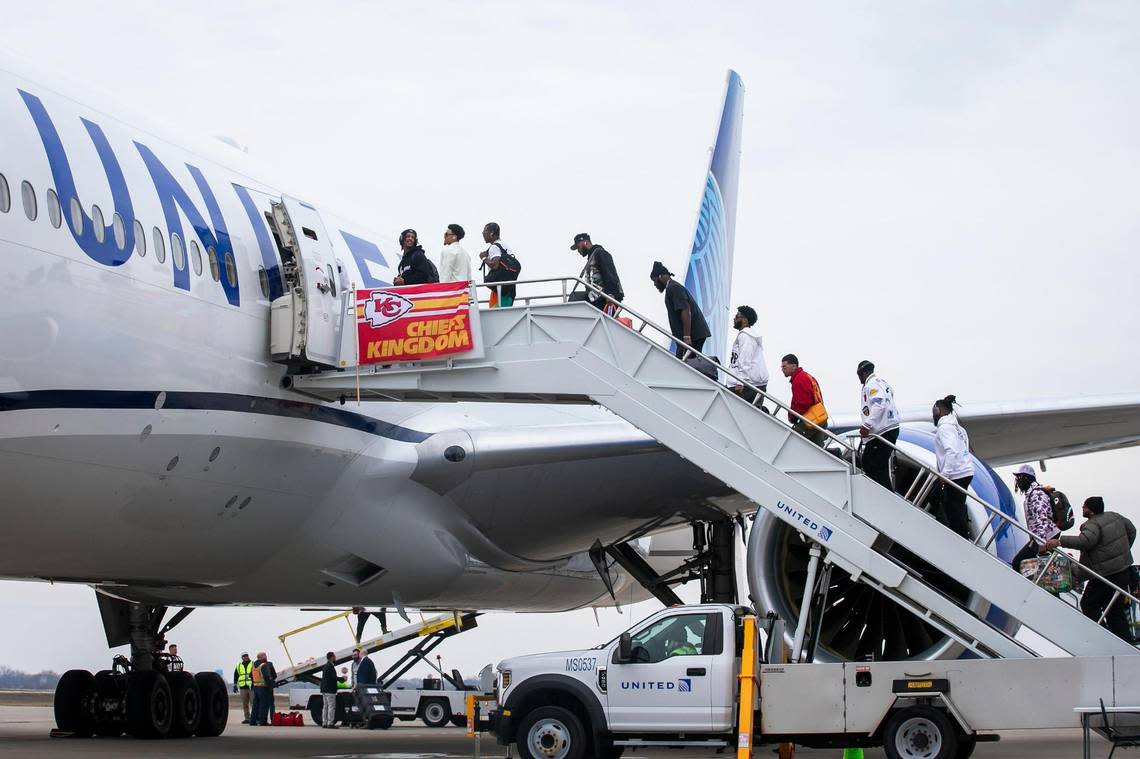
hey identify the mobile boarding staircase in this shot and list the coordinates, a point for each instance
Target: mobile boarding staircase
(550, 349)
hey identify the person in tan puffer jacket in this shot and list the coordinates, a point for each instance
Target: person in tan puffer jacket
(1105, 544)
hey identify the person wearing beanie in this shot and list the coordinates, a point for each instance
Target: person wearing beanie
(686, 321)
(1105, 543)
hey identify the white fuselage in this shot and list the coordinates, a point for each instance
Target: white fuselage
(145, 442)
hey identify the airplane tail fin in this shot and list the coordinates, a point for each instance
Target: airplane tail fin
(708, 275)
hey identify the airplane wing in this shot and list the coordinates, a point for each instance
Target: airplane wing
(1013, 432)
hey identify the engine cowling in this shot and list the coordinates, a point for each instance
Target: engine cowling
(858, 622)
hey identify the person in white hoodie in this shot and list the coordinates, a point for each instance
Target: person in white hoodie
(748, 355)
(952, 451)
(454, 263)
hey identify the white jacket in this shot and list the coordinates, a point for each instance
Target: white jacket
(952, 449)
(748, 358)
(879, 412)
(454, 264)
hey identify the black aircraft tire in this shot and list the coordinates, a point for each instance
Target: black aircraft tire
(187, 704)
(109, 685)
(435, 712)
(72, 701)
(214, 705)
(149, 706)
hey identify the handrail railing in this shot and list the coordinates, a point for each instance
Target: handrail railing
(994, 513)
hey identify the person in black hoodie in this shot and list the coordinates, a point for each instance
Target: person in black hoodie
(415, 268)
(328, 691)
(600, 272)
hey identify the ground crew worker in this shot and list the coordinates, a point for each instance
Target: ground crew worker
(880, 416)
(1105, 543)
(243, 680)
(952, 454)
(600, 272)
(686, 321)
(747, 358)
(1038, 514)
(414, 267)
(328, 691)
(263, 678)
(807, 401)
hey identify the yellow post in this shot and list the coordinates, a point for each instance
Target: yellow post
(470, 715)
(748, 684)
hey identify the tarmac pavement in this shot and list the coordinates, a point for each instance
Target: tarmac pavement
(25, 724)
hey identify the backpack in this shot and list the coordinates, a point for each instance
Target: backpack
(434, 271)
(702, 365)
(509, 262)
(1062, 509)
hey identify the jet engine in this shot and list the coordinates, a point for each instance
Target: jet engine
(858, 622)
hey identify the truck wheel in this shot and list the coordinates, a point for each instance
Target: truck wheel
(551, 732)
(435, 712)
(459, 721)
(73, 696)
(920, 732)
(966, 746)
(316, 710)
(149, 707)
(213, 705)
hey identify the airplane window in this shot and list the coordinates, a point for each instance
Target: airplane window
(140, 239)
(5, 198)
(28, 195)
(212, 255)
(76, 216)
(196, 257)
(55, 213)
(231, 270)
(159, 246)
(120, 230)
(263, 279)
(97, 224)
(177, 251)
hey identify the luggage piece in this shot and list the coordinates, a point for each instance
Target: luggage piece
(1058, 579)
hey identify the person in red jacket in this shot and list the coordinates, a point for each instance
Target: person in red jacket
(807, 401)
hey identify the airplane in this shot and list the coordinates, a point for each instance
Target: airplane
(149, 450)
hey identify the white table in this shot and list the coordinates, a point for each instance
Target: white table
(1090, 711)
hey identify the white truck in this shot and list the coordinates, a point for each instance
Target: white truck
(673, 680)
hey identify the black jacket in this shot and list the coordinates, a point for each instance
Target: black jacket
(328, 678)
(365, 672)
(601, 273)
(416, 269)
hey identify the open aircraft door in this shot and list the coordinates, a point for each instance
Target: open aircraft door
(305, 322)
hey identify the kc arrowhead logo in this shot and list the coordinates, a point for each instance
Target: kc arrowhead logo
(385, 307)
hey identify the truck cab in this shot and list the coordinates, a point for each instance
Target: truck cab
(671, 676)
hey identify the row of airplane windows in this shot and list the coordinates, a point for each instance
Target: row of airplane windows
(119, 231)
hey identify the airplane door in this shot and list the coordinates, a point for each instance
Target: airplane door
(306, 319)
(669, 685)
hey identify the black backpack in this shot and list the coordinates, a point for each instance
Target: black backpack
(1062, 510)
(509, 262)
(434, 271)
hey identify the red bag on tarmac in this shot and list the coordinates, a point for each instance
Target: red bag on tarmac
(298, 719)
(277, 719)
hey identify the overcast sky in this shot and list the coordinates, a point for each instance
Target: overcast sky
(949, 189)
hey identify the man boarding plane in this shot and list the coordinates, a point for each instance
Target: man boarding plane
(148, 448)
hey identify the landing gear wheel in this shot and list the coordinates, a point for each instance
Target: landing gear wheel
(551, 732)
(380, 723)
(966, 746)
(110, 687)
(920, 732)
(187, 704)
(149, 708)
(459, 721)
(214, 705)
(436, 712)
(73, 702)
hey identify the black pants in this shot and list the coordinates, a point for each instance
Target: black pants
(954, 513)
(877, 458)
(1096, 597)
(1028, 551)
(748, 393)
(681, 347)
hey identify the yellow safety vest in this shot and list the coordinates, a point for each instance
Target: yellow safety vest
(244, 674)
